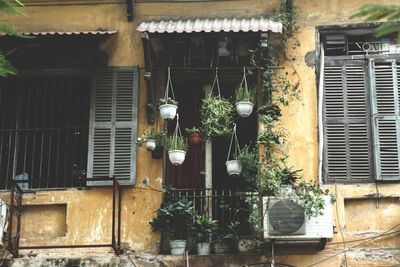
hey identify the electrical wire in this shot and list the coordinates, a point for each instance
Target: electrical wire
(369, 240)
(340, 226)
(362, 239)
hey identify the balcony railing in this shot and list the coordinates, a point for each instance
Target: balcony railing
(225, 206)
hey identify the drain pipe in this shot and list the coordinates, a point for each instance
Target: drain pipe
(320, 107)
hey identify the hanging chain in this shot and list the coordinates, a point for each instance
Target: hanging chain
(216, 81)
(234, 142)
(169, 85)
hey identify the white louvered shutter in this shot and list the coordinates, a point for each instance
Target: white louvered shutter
(112, 132)
(386, 117)
(347, 153)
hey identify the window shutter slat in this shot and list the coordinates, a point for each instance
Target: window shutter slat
(113, 126)
(347, 153)
(386, 118)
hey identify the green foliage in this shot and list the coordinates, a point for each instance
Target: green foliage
(175, 143)
(168, 100)
(309, 196)
(375, 12)
(216, 116)
(174, 219)
(203, 227)
(158, 136)
(250, 165)
(13, 8)
(193, 130)
(244, 93)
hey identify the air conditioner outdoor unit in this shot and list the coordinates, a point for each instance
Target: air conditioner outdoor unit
(285, 220)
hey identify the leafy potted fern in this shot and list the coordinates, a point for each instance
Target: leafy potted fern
(174, 220)
(245, 98)
(176, 146)
(203, 228)
(168, 108)
(216, 113)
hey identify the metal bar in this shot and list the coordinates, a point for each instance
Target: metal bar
(66, 246)
(119, 213)
(10, 222)
(113, 216)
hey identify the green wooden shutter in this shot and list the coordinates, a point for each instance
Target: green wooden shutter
(347, 153)
(112, 131)
(386, 118)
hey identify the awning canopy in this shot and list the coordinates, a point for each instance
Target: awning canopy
(258, 24)
(61, 33)
(44, 33)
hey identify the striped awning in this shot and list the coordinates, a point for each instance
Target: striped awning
(44, 33)
(60, 33)
(258, 24)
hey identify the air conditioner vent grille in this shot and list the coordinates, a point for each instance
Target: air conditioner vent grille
(286, 217)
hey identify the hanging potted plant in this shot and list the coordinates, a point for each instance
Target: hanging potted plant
(234, 166)
(194, 137)
(176, 145)
(168, 105)
(245, 98)
(203, 228)
(174, 220)
(216, 113)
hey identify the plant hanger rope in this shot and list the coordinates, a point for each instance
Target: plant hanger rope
(216, 81)
(244, 79)
(168, 86)
(177, 132)
(236, 147)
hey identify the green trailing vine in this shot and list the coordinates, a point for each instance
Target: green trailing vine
(275, 177)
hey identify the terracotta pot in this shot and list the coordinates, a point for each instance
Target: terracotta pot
(195, 139)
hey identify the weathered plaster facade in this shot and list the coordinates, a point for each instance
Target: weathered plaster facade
(84, 216)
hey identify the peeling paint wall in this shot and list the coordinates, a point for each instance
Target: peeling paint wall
(87, 218)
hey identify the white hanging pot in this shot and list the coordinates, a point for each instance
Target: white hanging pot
(177, 157)
(244, 108)
(150, 144)
(178, 247)
(233, 167)
(168, 111)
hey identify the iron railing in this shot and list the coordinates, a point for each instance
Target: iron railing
(43, 158)
(225, 206)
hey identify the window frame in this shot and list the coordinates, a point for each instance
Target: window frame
(369, 85)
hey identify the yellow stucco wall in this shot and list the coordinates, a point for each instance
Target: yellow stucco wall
(88, 212)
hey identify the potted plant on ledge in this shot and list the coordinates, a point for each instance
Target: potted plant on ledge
(174, 220)
(203, 228)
